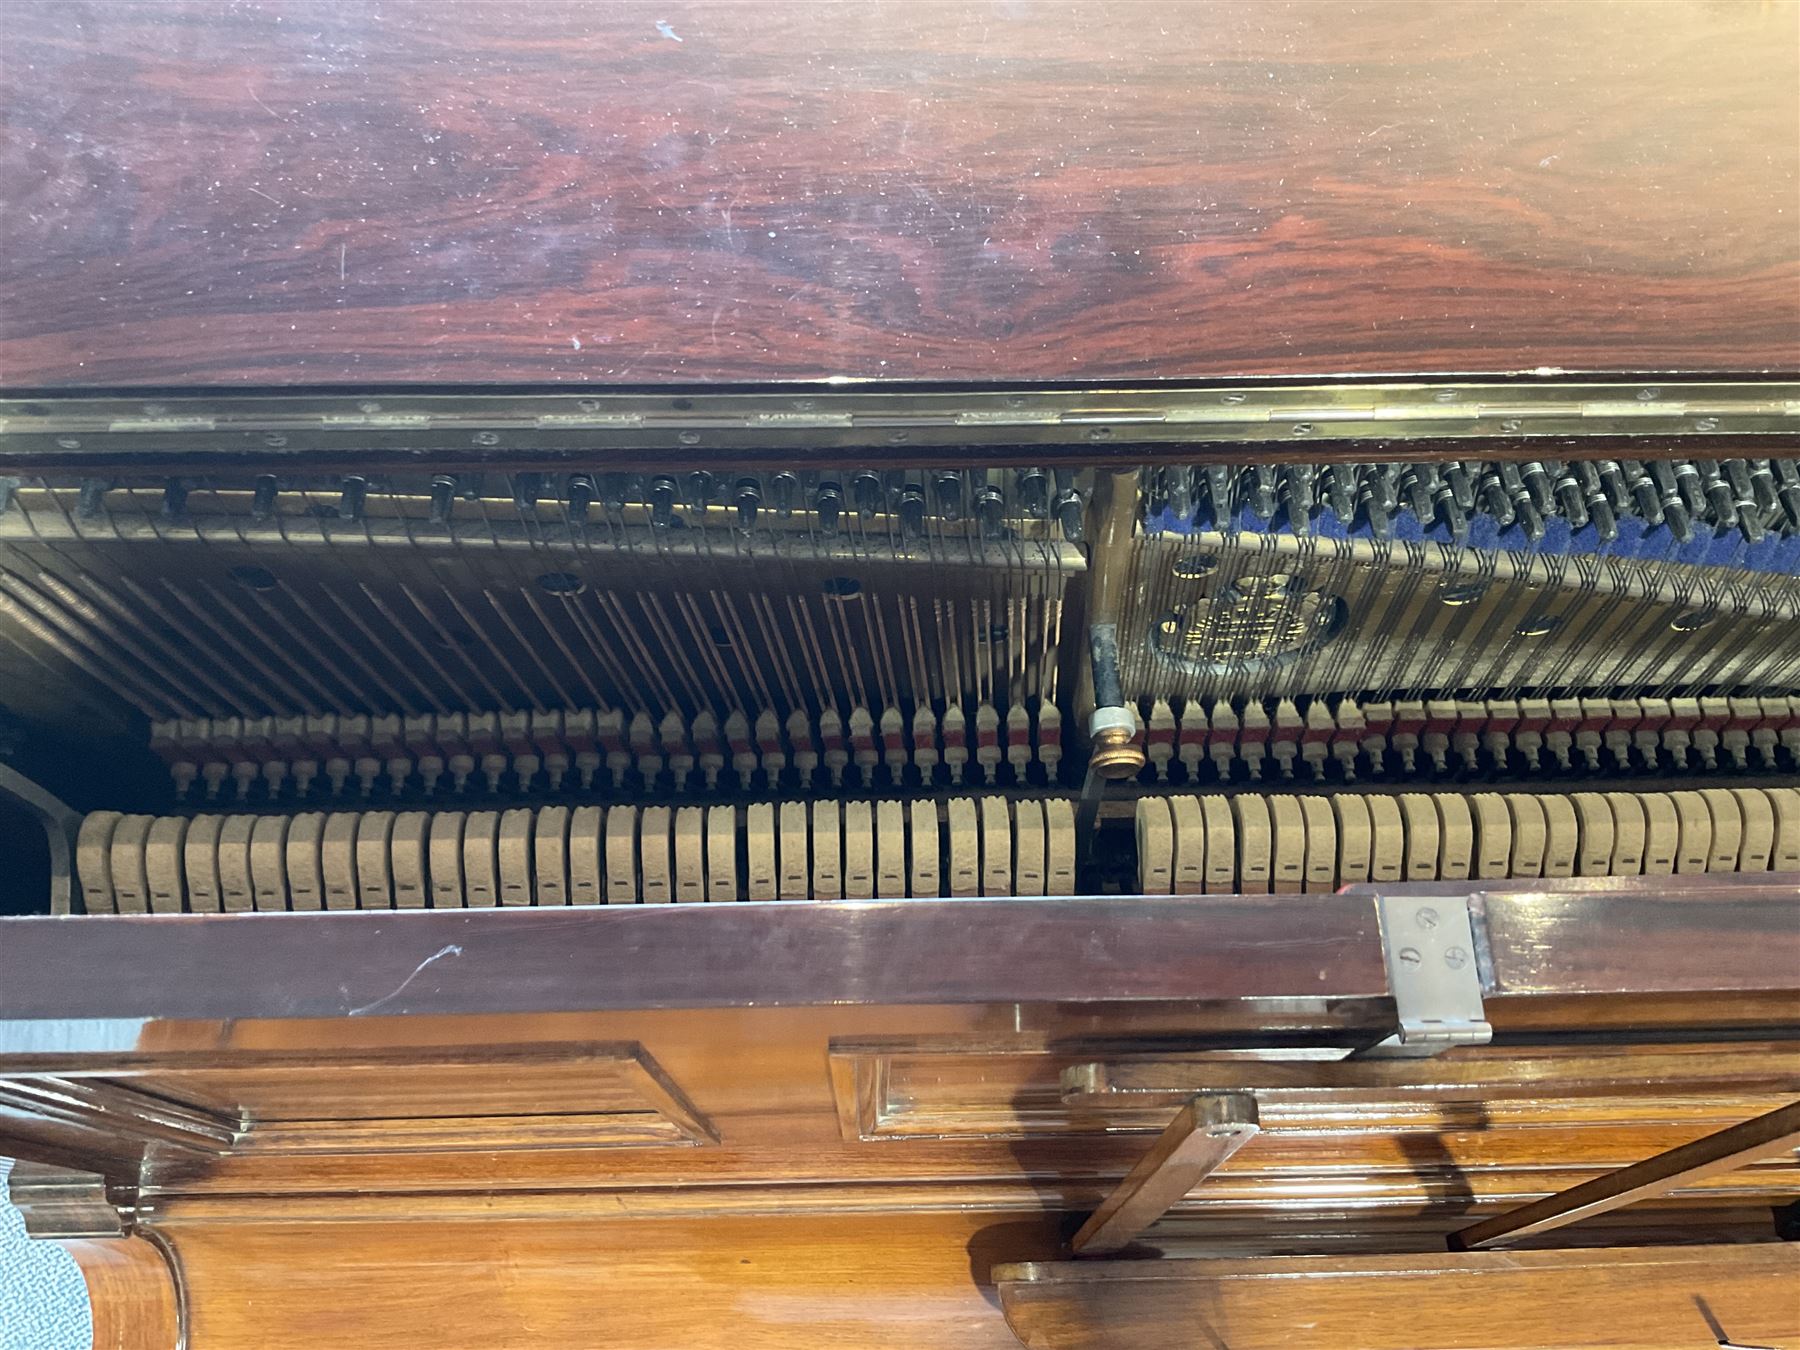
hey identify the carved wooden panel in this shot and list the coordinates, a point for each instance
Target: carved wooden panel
(394, 1100)
(1481, 1127)
(924, 1088)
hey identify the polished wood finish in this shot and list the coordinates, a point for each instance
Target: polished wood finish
(1204, 1133)
(845, 1282)
(336, 1142)
(383, 1156)
(1606, 1299)
(134, 1292)
(1774, 1134)
(555, 192)
(1501, 1077)
(1630, 936)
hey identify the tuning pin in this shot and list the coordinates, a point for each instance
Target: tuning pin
(1570, 504)
(1645, 497)
(1536, 478)
(1718, 496)
(912, 510)
(527, 491)
(1525, 510)
(1674, 500)
(1462, 484)
(1689, 485)
(92, 499)
(1744, 498)
(1340, 491)
(1156, 493)
(1744, 501)
(1787, 479)
(784, 491)
(1376, 511)
(1301, 497)
(1221, 481)
(1762, 486)
(1599, 504)
(990, 505)
(1265, 492)
(353, 495)
(1450, 511)
(1495, 499)
(581, 492)
(174, 498)
(442, 496)
(747, 498)
(1417, 482)
(828, 502)
(1612, 482)
(662, 501)
(866, 492)
(262, 496)
(1069, 509)
(1383, 480)
(701, 488)
(947, 492)
(1178, 492)
(1033, 487)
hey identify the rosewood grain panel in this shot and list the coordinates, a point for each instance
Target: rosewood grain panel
(528, 960)
(310, 193)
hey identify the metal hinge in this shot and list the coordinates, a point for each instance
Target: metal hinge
(1429, 945)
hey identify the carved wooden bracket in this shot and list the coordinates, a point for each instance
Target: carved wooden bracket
(60, 1203)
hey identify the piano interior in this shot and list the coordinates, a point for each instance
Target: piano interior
(847, 680)
(753, 676)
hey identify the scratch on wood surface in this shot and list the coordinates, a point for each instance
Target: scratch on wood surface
(451, 949)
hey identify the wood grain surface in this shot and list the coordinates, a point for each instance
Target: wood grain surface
(136, 1301)
(858, 1282)
(307, 193)
(1608, 1299)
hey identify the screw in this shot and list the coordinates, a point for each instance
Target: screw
(1302, 428)
(689, 438)
(1234, 396)
(1706, 424)
(487, 438)
(1427, 918)
(67, 443)
(1456, 958)
(804, 405)
(588, 404)
(1511, 424)
(1411, 956)
(369, 405)
(1648, 395)
(1100, 434)
(155, 409)
(274, 440)
(1014, 401)
(1445, 396)
(896, 438)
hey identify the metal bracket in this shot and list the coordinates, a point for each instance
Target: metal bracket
(1429, 946)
